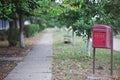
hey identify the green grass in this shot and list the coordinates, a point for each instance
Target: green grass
(69, 56)
(69, 51)
(77, 53)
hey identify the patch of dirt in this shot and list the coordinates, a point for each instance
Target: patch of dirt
(5, 51)
(70, 69)
(13, 51)
(6, 67)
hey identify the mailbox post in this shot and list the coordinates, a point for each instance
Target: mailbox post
(102, 37)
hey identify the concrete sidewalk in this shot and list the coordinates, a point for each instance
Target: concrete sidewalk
(37, 65)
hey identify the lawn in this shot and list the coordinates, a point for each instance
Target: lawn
(71, 62)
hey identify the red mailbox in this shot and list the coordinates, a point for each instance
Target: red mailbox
(102, 36)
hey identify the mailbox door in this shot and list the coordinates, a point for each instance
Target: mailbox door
(99, 39)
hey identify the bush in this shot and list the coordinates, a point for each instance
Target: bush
(13, 36)
(3, 35)
(31, 30)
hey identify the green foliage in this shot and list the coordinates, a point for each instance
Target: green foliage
(31, 29)
(111, 15)
(69, 17)
(10, 7)
(13, 36)
(5, 9)
(48, 12)
(79, 15)
(55, 10)
(83, 14)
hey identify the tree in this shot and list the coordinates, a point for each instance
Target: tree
(70, 14)
(24, 8)
(111, 15)
(13, 10)
(85, 22)
(5, 12)
(80, 14)
(98, 13)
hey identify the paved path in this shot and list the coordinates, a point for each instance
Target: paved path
(116, 44)
(38, 63)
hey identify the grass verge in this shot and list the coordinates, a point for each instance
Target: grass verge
(71, 62)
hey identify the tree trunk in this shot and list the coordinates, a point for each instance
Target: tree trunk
(88, 46)
(21, 22)
(73, 38)
(12, 24)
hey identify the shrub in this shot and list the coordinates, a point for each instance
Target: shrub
(31, 29)
(13, 36)
(3, 35)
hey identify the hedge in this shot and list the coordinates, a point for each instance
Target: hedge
(31, 29)
(13, 36)
(3, 35)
